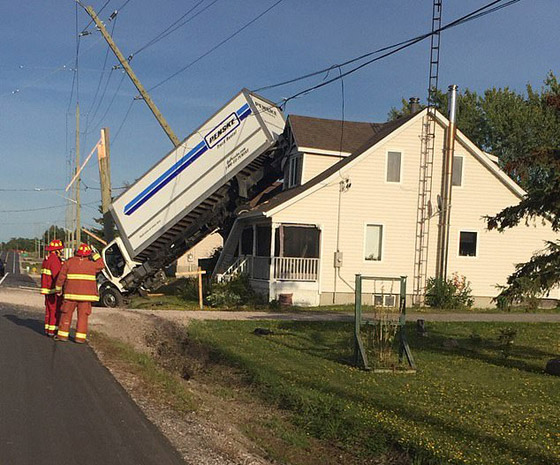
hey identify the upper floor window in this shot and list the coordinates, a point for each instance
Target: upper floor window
(294, 172)
(374, 242)
(394, 160)
(457, 178)
(468, 244)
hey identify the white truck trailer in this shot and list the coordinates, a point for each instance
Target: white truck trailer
(191, 192)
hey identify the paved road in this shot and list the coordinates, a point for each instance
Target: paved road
(14, 278)
(60, 406)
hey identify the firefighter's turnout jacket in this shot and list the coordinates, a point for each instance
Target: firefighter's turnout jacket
(50, 269)
(77, 279)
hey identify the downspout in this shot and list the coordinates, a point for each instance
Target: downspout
(446, 185)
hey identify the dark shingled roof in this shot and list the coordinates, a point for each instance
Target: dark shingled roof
(384, 131)
(320, 133)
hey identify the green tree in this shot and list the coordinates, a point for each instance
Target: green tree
(540, 168)
(505, 123)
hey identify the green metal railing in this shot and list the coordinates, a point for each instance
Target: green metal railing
(360, 355)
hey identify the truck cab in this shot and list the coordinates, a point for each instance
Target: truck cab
(118, 264)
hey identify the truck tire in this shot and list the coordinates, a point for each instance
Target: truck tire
(111, 297)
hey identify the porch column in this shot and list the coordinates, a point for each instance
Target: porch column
(273, 228)
(254, 240)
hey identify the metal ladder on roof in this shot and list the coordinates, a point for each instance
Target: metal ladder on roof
(424, 212)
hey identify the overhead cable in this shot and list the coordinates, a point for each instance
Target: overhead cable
(84, 30)
(99, 83)
(170, 29)
(42, 208)
(256, 18)
(390, 49)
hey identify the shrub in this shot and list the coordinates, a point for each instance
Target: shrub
(451, 293)
(506, 338)
(233, 293)
(188, 290)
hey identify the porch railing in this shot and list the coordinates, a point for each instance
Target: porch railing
(283, 268)
(295, 268)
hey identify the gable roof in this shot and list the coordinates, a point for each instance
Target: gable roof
(325, 134)
(384, 131)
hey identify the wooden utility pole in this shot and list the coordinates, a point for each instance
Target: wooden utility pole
(124, 62)
(104, 159)
(78, 236)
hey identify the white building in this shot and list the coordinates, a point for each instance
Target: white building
(349, 205)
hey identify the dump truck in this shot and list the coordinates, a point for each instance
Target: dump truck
(191, 192)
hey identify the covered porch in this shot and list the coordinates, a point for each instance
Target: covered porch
(280, 258)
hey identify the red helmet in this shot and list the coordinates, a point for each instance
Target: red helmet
(83, 251)
(55, 244)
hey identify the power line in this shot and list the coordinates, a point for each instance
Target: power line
(33, 189)
(100, 121)
(123, 5)
(123, 121)
(390, 49)
(42, 208)
(170, 29)
(256, 18)
(91, 20)
(100, 81)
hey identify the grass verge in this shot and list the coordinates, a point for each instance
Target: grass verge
(154, 380)
(475, 399)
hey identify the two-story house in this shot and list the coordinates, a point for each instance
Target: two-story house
(349, 204)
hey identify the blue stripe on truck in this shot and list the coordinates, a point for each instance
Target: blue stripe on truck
(175, 169)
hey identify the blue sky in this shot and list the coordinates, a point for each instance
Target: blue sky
(513, 47)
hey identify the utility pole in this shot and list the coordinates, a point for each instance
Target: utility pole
(78, 236)
(104, 159)
(124, 62)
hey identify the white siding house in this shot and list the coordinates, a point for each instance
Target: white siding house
(354, 189)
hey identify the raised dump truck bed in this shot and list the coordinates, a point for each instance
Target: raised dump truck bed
(178, 197)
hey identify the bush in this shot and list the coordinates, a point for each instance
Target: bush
(233, 293)
(451, 293)
(506, 338)
(188, 290)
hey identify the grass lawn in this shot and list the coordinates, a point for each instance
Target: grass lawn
(467, 404)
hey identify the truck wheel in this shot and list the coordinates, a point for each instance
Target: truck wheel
(111, 297)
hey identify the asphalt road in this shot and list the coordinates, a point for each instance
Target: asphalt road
(60, 406)
(14, 277)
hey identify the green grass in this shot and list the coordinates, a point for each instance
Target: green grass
(156, 381)
(467, 405)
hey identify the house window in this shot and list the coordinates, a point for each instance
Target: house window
(457, 178)
(467, 244)
(247, 241)
(294, 170)
(374, 241)
(263, 241)
(297, 241)
(393, 166)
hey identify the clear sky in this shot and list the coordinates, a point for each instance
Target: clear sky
(513, 47)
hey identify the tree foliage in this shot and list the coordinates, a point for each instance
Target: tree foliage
(506, 123)
(523, 130)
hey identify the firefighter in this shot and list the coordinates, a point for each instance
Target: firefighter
(77, 282)
(49, 272)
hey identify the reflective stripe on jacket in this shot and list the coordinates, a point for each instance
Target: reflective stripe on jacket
(77, 279)
(49, 272)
